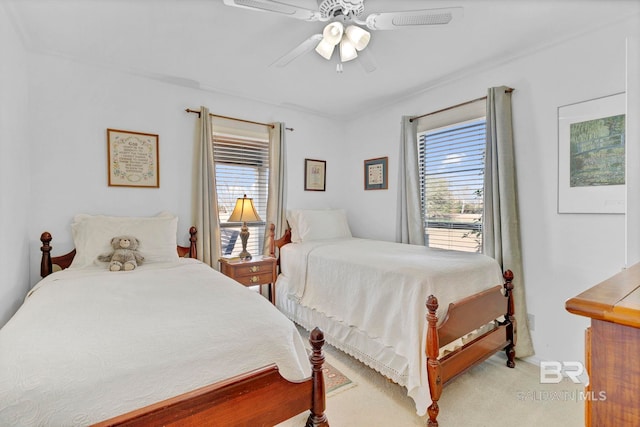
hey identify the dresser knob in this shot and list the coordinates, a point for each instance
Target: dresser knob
(254, 279)
(254, 268)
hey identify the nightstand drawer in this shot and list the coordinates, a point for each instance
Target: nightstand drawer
(258, 271)
(254, 269)
(255, 279)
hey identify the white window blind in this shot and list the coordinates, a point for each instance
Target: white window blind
(241, 157)
(451, 162)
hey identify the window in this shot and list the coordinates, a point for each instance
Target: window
(451, 154)
(242, 167)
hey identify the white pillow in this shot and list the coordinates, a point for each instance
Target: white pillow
(92, 235)
(292, 219)
(308, 224)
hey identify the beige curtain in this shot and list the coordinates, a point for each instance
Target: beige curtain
(501, 234)
(277, 198)
(409, 228)
(205, 199)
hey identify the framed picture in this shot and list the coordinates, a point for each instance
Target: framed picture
(133, 159)
(315, 178)
(375, 174)
(591, 156)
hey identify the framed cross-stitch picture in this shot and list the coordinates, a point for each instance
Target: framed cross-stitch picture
(375, 174)
(315, 178)
(132, 159)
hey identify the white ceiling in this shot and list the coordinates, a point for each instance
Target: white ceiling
(203, 43)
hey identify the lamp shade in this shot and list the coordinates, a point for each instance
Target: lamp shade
(333, 33)
(325, 49)
(347, 50)
(358, 36)
(244, 211)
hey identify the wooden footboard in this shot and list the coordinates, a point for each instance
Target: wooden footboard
(258, 398)
(463, 317)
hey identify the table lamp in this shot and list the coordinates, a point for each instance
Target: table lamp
(244, 212)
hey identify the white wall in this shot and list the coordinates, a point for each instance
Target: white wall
(633, 149)
(14, 171)
(73, 104)
(564, 254)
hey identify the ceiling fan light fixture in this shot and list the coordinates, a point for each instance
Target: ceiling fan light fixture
(359, 37)
(347, 50)
(333, 33)
(346, 23)
(325, 49)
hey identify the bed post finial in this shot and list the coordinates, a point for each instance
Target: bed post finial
(272, 240)
(317, 418)
(433, 364)
(510, 319)
(193, 251)
(45, 264)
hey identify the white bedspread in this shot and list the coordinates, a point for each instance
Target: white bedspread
(90, 344)
(380, 289)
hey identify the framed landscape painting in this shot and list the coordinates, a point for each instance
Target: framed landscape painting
(591, 156)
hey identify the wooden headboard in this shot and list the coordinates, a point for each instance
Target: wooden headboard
(48, 262)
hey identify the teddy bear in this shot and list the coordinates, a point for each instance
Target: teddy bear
(125, 255)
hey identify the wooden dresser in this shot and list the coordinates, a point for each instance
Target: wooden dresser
(612, 349)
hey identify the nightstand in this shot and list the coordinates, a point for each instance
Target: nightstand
(261, 270)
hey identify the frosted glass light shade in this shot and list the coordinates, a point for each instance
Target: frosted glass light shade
(352, 39)
(347, 50)
(358, 36)
(325, 49)
(333, 33)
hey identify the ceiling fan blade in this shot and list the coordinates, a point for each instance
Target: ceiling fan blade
(297, 51)
(365, 58)
(412, 18)
(278, 7)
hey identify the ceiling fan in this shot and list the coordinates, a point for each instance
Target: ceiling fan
(345, 26)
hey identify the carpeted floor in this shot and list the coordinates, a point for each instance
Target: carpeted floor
(490, 394)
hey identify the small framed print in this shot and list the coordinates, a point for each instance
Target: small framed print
(133, 159)
(315, 177)
(375, 174)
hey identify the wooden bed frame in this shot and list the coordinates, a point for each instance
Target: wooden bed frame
(462, 317)
(258, 398)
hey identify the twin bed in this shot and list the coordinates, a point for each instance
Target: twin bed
(174, 342)
(369, 299)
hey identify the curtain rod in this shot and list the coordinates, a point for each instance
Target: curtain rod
(508, 90)
(188, 110)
